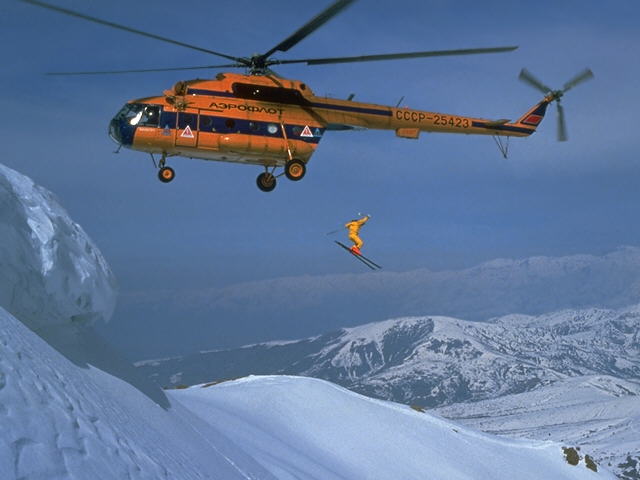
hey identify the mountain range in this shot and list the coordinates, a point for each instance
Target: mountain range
(446, 363)
(303, 306)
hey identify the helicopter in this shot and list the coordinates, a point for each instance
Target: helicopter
(260, 118)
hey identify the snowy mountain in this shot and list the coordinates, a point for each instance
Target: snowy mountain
(436, 361)
(71, 409)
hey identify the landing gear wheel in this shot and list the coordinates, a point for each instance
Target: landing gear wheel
(266, 182)
(295, 169)
(166, 174)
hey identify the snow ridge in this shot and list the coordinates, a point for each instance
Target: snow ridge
(53, 273)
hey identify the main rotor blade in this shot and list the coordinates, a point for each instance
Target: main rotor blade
(129, 29)
(583, 76)
(562, 126)
(527, 77)
(146, 70)
(311, 26)
(394, 56)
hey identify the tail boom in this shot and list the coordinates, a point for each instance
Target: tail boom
(523, 127)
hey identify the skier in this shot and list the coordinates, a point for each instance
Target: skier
(354, 227)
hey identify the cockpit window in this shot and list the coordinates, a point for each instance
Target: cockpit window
(137, 114)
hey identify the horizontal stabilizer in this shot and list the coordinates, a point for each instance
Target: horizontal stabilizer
(497, 123)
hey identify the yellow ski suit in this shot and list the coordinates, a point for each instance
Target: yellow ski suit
(354, 228)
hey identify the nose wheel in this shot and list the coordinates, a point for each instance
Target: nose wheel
(166, 174)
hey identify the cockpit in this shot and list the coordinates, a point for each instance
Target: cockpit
(131, 116)
(140, 114)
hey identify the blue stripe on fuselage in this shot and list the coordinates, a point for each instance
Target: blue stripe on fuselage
(506, 128)
(217, 124)
(347, 108)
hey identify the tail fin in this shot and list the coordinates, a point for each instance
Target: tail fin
(535, 114)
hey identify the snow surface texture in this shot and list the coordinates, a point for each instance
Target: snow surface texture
(51, 273)
(600, 413)
(303, 428)
(59, 421)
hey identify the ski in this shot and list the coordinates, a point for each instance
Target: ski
(368, 262)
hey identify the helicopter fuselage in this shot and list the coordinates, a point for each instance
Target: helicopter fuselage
(268, 120)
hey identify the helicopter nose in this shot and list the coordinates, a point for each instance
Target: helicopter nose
(114, 131)
(121, 131)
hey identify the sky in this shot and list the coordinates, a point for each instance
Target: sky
(441, 202)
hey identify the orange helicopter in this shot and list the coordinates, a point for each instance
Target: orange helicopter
(260, 118)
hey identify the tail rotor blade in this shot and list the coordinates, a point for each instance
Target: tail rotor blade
(583, 76)
(562, 126)
(527, 77)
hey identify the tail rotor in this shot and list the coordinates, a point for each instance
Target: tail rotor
(555, 95)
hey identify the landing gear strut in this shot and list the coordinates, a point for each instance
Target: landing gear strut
(294, 169)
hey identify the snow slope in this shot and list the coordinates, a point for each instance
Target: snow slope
(303, 428)
(62, 421)
(601, 413)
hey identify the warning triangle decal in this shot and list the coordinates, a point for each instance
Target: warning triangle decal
(187, 133)
(306, 132)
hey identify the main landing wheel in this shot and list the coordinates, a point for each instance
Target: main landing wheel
(166, 174)
(266, 182)
(295, 169)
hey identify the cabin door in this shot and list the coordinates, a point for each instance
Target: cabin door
(187, 129)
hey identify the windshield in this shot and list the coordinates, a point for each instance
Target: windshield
(140, 114)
